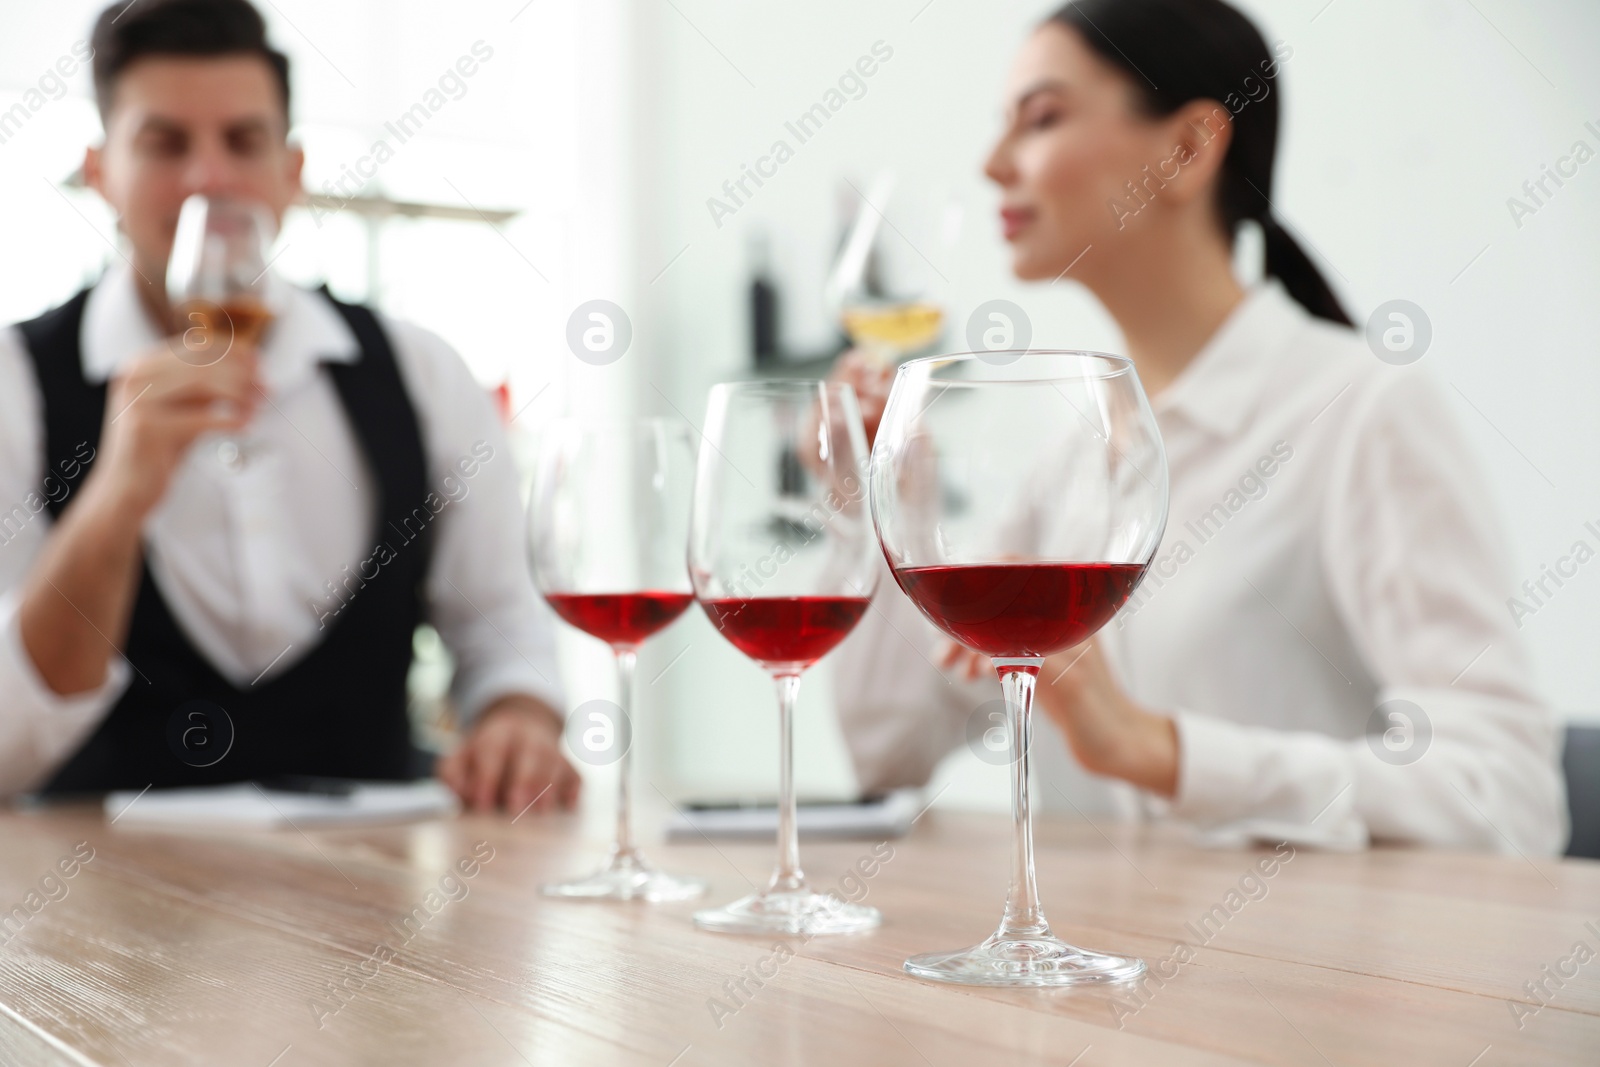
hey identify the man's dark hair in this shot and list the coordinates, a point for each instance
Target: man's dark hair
(126, 32)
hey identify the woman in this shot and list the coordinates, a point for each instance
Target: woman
(1320, 651)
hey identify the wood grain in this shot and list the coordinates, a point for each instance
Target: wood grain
(232, 948)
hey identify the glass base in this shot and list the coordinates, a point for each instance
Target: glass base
(1041, 960)
(627, 877)
(790, 911)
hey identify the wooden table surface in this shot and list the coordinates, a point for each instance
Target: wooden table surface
(286, 948)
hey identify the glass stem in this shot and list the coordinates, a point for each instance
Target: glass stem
(623, 850)
(1024, 917)
(787, 875)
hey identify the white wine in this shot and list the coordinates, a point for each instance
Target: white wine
(902, 327)
(214, 327)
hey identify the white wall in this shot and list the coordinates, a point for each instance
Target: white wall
(1407, 128)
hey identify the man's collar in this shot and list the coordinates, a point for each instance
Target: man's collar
(1222, 385)
(305, 330)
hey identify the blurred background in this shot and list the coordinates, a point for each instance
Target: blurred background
(626, 151)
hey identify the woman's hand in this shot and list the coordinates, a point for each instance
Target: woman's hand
(871, 378)
(1109, 733)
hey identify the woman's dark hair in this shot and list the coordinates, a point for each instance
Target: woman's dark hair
(1177, 51)
(125, 32)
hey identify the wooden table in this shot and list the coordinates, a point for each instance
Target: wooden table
(288, 948)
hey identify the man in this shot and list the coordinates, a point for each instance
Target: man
(254, 593)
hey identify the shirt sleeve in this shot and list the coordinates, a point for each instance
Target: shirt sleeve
(1412, 555)
(480, 591)
(39, 728)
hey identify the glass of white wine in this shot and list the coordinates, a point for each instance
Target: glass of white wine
(884, 286)
(217, 285)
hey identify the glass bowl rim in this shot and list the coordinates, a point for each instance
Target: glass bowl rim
(1120, 365)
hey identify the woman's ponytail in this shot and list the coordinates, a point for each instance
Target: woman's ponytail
(1288, 262)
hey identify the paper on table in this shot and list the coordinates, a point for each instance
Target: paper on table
(249, 805)
(890, 816)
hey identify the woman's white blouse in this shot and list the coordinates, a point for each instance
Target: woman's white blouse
(1326, 619)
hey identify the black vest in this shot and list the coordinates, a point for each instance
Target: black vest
(340, 708)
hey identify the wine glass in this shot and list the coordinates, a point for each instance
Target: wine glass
(1019, 497)
(782, 555)
(217, 284)
(883, 289)
(608, 520)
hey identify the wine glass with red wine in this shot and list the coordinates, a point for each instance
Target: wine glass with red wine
(609, 520)
(783, 559)
(217, 285)
(1019, 497)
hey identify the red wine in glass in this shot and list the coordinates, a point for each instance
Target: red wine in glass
(1019, 498)
(784, 561)
(608, 523)
(786, 632)
(1020, 609)
(621, 620)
